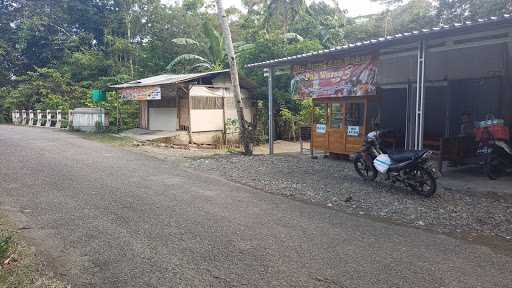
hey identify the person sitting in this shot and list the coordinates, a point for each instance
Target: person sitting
(467, 126)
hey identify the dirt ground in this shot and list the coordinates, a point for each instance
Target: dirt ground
(280, 147)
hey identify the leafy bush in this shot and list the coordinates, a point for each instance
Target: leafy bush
(232, 126)
(290, 122)
(5, 246)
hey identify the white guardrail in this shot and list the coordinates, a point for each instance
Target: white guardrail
(48, 118)
(83, 119)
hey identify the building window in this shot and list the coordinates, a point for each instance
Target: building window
(337, 115)
(355, 114)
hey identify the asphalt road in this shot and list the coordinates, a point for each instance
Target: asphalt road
(106, 217)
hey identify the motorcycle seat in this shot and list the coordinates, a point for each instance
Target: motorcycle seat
(407, 156)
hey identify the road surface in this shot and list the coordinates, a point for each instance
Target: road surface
(102, 216)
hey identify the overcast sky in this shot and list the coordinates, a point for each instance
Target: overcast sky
(354, 7)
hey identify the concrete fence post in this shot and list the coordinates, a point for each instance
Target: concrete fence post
(31, 118)
(48, 118)
(13, 117)
(44, 118)
(70, 120)
(18, 117)
(58, 124)
(23, 117)
(39, 118)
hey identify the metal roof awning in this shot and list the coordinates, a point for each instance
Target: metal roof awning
(167, 79)
(487, 24)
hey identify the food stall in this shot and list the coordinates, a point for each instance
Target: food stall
(344, 92)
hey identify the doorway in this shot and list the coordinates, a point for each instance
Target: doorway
(393, 114)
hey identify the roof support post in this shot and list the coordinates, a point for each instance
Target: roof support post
(420, 97)
(268, 73)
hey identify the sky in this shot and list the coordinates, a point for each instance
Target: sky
(354, 7)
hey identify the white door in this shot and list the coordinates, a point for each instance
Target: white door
(164, 119)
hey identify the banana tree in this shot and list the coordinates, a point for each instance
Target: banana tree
(210, 57)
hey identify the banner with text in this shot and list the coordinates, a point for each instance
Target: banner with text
(349, 76)
(141, 93)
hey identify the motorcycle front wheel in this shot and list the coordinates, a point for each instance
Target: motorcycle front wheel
(493, 168)
(365, 170)
(424, 182)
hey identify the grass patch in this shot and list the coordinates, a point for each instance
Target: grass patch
(107, 138)
(18, 266)
(5, 245)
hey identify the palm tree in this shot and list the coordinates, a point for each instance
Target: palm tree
(211, 56)
(284, 11)
(245, 137)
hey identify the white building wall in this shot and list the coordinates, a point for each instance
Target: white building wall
(231, 109)
(231, 112)
(85, 119)
(207, 120)
(204, 120)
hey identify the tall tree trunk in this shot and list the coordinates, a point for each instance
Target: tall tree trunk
(129, 36)
(245, 138)
(286, 16)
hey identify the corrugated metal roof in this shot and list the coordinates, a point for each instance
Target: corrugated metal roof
(166, 79)
(424, 33)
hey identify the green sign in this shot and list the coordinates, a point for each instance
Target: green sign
(98, 96)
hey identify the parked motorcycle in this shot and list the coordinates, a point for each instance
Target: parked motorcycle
(413, 169)
(496, 156)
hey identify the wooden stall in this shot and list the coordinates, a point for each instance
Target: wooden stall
(343, 89)
(346, 122)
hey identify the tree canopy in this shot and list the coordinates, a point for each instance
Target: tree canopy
(52, 52)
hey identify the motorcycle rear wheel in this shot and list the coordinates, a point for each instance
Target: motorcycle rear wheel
(366, 171)
(425, 182)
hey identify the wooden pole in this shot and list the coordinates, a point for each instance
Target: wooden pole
(224, 132)
(117, 112)
(270, 113)
(228, 43)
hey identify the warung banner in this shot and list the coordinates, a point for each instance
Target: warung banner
(350, 76)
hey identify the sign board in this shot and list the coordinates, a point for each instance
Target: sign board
(321, 128)
(142, 93)
(353, 131)
(349, 76)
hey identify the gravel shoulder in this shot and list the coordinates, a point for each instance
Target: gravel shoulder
(335, 184)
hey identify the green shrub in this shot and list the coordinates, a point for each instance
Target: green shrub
(5, 246)
(99, 127)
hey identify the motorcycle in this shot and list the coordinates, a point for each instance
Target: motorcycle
(413, 169)
(496, 156)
